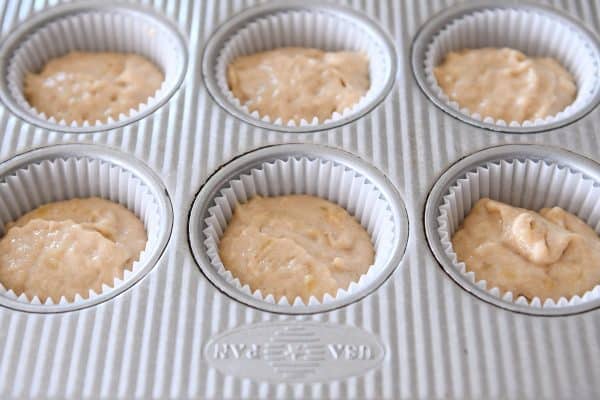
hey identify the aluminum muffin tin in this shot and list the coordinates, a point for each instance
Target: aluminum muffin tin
(175, 334)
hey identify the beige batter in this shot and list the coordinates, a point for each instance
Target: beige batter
(505, 84)
(548, 255)
(68, 247)
(295, 246)
(294, 83)
(87, 86)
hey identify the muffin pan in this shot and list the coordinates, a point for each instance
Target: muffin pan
(90, 27)
(417, 328)
(535, 30)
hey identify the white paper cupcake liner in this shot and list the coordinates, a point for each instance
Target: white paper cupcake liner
(375, 205)
(313, 177)
(63, 175)
(535, 31)
(95, 28)
(324, 27)
(527, 183)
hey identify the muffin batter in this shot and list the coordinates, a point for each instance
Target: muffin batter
(545, 255)
(87, 86)
(69, 247)
(294, 83)
(505, 84)
(295, 246)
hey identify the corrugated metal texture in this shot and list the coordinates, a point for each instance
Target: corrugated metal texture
(440, 341)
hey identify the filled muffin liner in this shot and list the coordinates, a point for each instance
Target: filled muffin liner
(312, 28)
(52, 180)
(525, 183)
(535, 33)
(111, 29)
(316, 177)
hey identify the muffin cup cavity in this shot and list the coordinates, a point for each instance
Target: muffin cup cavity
(306, 24)
(534, 30)
(65, 172)
(93, 27)
(526, 176)
(299, 169)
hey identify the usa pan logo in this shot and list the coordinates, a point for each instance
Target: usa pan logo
(294, 351)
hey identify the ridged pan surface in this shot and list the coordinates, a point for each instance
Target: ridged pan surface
(422, 335)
